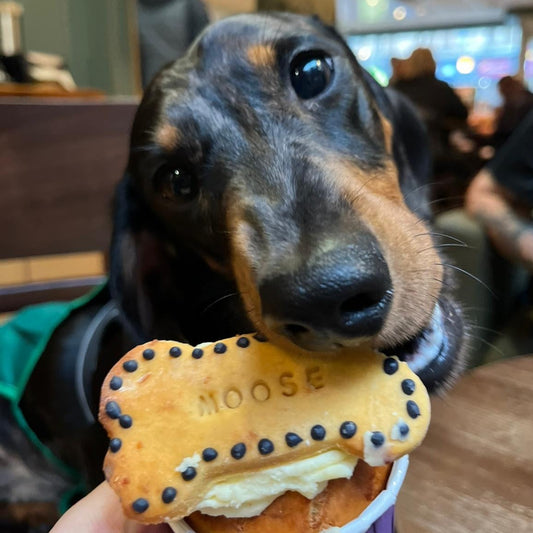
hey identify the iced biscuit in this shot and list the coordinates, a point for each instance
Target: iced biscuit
(183, 420)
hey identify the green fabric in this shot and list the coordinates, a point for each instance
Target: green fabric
(23, 340)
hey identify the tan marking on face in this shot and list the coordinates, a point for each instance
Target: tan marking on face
(387, 132)
(167, 136)
(240, 233)
(261, 56)
(245, 272)
(406, 244)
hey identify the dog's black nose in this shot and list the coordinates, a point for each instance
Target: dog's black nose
(344, 293)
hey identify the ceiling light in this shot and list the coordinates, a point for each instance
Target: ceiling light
(399, 13)
(364, 53)
(465, 64)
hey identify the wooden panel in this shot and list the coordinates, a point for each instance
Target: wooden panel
(60, 164)
(49, 90)
(13, 272)
(51, 267)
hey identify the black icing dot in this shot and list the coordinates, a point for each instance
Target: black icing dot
(318, 432)
(125, 421)
(348, 429)
(292, 439)
(174, 351)
(412, 409)
(148, 354)
(189, 473)
(408, 386)
(265, 446)
(115, 383)
(130, 366)
(377, 439)
(197, 353)
(168, 494)
(390, 366)
(404, 429)
(238, 451)
(114, 445)
(260, 337)
(209, 454)
(112, 409)
(220, 347)
(243, 342)
(140, 505)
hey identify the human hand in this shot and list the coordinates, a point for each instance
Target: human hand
(101, 512)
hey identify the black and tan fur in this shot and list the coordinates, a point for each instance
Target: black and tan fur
(282, 183)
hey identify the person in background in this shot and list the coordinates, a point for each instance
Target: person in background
(166, 29)
(517, 101)
(500, 196)
(443, 112)
(438, 104)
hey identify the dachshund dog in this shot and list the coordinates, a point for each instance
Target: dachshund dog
(273, 186)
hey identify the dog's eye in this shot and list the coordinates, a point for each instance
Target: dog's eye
(175, 183)
(311, 73)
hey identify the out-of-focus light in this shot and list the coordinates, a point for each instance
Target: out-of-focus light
(404, 47)
(529, 55)
(364, 53)
(399, 13)
(380, 76)
(483, 82)
(372, 3)
(448, 71)
(465, 64)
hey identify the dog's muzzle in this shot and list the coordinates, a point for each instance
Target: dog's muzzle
(343, 295)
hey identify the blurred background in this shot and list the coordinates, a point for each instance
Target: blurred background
(100, 43)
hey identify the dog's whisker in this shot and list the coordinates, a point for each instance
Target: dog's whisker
(445, 199)
(445, 283)
(466, 273)
(421, 186)
(444, 235)
(445, 246)
(363, 185)
(218, 300)
(485, 342)
(483, 328)
(474, 308)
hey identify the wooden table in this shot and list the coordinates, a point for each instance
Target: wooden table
(474, 471)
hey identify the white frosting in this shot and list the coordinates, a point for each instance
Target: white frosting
(374, 455)
(245, 495)
(193, 461)
(396, 434)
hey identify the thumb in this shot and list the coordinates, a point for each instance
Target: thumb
(100, 512)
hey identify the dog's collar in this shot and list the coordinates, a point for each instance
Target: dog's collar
(87, 358)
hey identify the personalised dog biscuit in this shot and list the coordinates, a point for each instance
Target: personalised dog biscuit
(183, 420)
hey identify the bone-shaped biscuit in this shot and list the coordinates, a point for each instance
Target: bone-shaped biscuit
(183, 418)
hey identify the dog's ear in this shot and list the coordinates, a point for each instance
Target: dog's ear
(142, 271)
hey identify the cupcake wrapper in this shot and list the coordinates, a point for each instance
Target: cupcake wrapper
(378, 517)
(385, 523)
